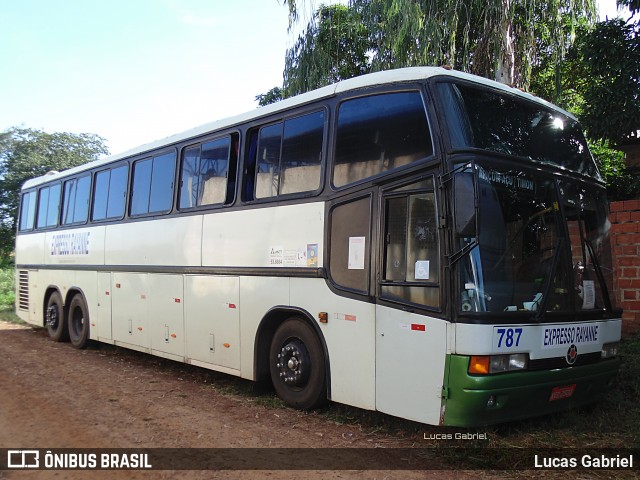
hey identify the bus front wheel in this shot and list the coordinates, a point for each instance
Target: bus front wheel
(297, 365)
(78, 322)
(54, 318)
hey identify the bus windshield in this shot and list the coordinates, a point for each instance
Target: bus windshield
(499, 122)
(542, 245)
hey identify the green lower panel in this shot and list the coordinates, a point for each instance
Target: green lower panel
(519, 395)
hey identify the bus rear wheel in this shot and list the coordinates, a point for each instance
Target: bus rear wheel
(78, 322)
(297, 365)
(54, 318)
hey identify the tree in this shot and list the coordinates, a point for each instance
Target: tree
(333, 47)
(272, 96)
(632, 5)
(607, 58)
(605, 75)
(622, 184)
(500, 39)
(27, 153)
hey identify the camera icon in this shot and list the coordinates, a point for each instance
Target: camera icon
(23, 459)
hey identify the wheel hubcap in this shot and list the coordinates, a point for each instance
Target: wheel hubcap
(78, 320)
(293, 363)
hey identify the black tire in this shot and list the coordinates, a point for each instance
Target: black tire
(297, 365)
(54, 318)
(78, 322)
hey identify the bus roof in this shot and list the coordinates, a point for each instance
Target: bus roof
(379, 78)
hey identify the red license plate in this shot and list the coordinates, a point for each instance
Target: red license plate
(558, 393)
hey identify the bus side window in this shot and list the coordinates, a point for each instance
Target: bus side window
(411, 254)
(109, 193)
(189, 182)
(69, 201)
(289, 156)
(233, 168)
(301, 162)
(48, 206)
(100, 195)
(208, 174)
(350, 245)
(117, 192)
(268, 161)
(153, 184)
(379, 133)
(75, 200)
(214, 168)
(162, 178)
(83, 190)
(250, 168)
(28, 211)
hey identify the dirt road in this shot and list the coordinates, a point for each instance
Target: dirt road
(53, 396)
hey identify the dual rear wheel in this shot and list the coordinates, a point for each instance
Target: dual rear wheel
(75, 327)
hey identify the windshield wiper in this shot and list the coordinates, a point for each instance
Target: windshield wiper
(599, 274)
(542, 304)
(455, 257)
(587, 246)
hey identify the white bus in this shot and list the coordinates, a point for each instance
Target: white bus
(421, 242)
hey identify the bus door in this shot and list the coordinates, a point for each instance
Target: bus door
(410, 341)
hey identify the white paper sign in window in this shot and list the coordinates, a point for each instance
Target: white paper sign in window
(356, 253)
(588, 295)
(422, 270)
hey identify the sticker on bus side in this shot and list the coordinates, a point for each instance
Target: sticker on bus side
(76, 243)
(276, 257)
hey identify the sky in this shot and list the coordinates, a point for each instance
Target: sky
(135, 71)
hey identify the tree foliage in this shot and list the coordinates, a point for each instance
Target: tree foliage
(602, 87)
(632, 5)
(607, 62)
(333, 47)
(501, 39)
(27, 153)
(621, 183)
(272, 96)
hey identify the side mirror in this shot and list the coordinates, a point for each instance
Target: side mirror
(464, 204)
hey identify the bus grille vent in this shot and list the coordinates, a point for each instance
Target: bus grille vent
(23, 290)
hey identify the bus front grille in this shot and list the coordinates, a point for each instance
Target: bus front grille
(556, 363)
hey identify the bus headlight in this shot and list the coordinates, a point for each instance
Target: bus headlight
(609, 350)
(489, 364)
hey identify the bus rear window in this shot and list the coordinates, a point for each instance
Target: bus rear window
(380, 133)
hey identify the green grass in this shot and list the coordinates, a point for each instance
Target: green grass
(7, 288)
(7, 295)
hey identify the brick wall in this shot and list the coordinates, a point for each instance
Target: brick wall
(625, 219)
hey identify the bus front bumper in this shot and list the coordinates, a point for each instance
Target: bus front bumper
(483, 400)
